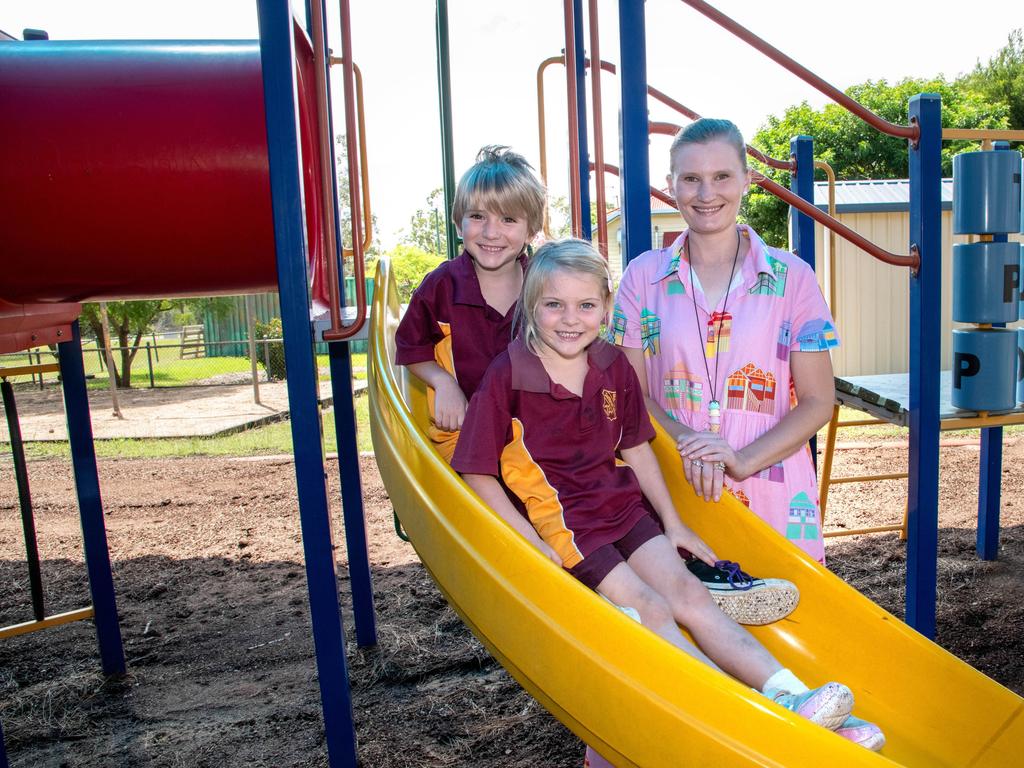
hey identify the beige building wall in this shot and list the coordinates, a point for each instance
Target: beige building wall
(871, 304)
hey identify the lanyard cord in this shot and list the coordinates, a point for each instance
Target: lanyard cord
(718, 333)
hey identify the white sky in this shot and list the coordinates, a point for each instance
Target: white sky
(496, 48)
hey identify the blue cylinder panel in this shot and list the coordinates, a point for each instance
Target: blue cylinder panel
(1020, 284)
(1020, 365)
(986, 193)
(986, 282)
(984, 369)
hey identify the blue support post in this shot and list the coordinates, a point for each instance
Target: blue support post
(580, 41)
(352, 493)
(3, 750)
(801, 148)
(990, 474)
(278, 64)
(90, 506)
(925, 342)
(634, 144)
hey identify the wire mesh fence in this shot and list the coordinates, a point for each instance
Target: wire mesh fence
(185, 363)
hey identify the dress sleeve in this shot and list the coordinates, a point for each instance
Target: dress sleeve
(418, 332)
(625, 328)
(636, 421)
(487, 425)
(813, 328)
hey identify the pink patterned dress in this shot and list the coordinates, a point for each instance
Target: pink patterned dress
(774, 307)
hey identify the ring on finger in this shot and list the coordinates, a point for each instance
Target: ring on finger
(720, 466)
(698, 463)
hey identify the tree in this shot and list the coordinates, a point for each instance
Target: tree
(131, 320)
(854, 149)
(560, 216)
(1002, 79)
(428, 227)
(409, 265)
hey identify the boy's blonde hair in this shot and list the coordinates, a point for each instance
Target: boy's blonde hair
(501, 181)
(704, 131)
(568, 255)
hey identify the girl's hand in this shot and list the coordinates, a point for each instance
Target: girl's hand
(681, 536)
(449, 406)
(707, 459)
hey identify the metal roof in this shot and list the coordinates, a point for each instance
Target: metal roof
(874, 195)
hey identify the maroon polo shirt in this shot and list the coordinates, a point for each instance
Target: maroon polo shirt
(556, 450)
(449, 322)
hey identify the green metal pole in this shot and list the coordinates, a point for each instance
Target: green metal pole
(444, 84)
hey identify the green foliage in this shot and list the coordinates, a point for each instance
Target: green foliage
(131, 320)
(409, 265)
(1002, 79)
(854, 149)
(271, 353)
(428, 227)
(560, 217)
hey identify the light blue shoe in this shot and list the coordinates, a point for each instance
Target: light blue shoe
(828, 706)
(868, 735)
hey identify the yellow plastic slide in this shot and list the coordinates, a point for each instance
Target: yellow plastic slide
(628, 693)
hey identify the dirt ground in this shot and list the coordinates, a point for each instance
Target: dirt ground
(214, 615)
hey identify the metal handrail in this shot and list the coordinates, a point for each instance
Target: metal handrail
(911, 132)
(363, 162)
(337, 330)
(831, 175)
(542, 133)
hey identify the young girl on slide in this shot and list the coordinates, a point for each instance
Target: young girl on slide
(549, 417)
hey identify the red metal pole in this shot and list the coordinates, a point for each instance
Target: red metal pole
(595, 97)
(902, 131)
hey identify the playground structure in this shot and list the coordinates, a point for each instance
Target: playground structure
(986, 721)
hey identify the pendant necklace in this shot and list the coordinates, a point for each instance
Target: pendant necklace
(714, 407)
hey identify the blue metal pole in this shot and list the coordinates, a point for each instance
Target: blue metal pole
(801, 148)
(634, 144)
(352, 493)
(3, 750)
(925, 341)
(990, 475)
(444, 96)
(90, 506)
(579, 43)
(278, 64)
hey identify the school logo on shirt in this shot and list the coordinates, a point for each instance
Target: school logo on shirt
(608, 400)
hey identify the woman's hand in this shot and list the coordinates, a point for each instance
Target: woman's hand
(707, 459)
(681, 536)
(449, 405)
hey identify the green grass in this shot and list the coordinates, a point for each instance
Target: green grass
(269, 440)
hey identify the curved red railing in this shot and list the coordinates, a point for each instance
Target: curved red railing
(338, 331)
(911, 132)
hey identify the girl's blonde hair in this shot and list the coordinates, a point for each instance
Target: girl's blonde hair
(568, 255)
(501, 181)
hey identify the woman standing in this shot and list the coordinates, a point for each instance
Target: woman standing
(730, 340)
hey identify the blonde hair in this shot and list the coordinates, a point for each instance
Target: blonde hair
(568, 255)
(501, 181)
(704, 131)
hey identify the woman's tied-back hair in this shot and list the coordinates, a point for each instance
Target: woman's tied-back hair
(568, 255)
(501, 181)
(706, 130)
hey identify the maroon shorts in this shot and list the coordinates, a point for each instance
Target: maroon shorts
(599, 563)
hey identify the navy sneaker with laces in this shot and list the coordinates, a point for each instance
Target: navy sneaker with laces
(744, 598)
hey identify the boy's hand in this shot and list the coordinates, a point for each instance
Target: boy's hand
(449, 406)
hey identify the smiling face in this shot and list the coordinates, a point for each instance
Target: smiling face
(569, 313)
(708, 182)
(493, 239)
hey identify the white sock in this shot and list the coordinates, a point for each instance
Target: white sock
(784, 680)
